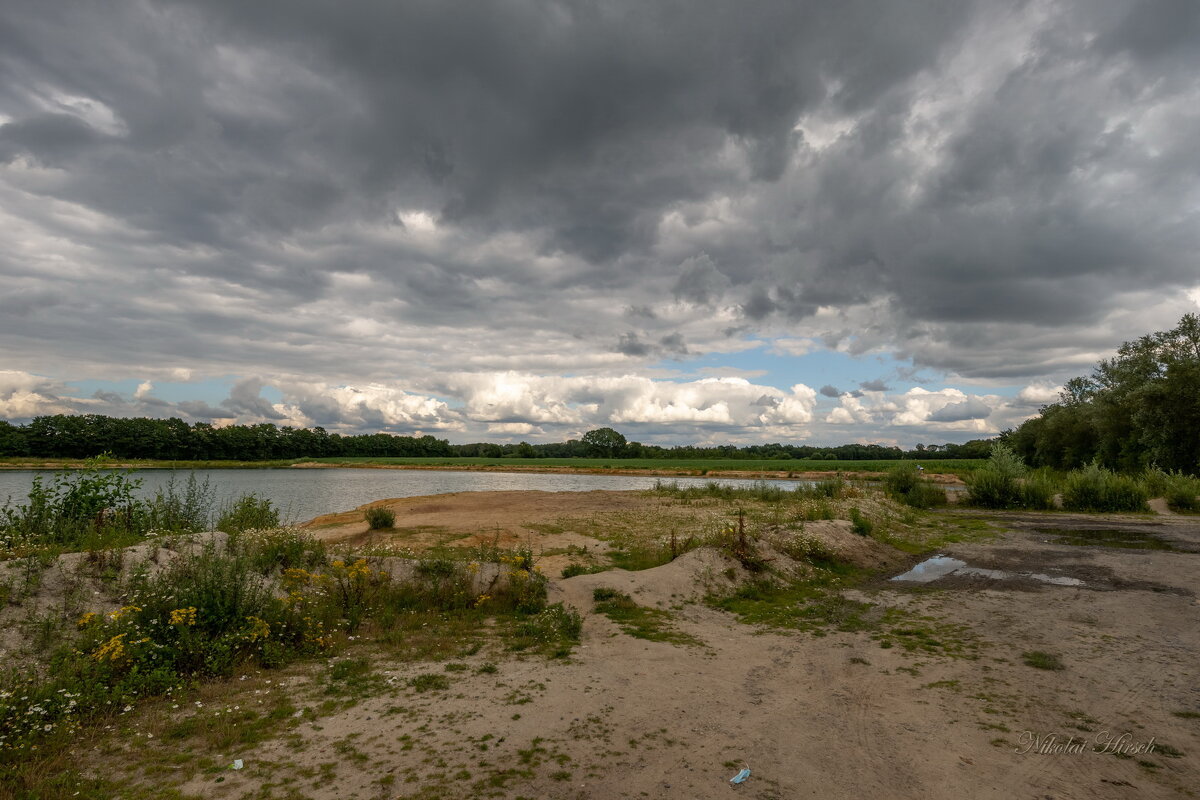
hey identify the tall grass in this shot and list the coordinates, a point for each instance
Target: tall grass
(905, 483)
(1182, 491)
(1095, 488)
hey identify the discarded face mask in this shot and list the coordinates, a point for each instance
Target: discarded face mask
(741, 776)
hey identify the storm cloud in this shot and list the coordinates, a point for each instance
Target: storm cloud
(360, 203)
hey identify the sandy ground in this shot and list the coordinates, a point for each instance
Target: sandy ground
(823, 716)
(836, 716)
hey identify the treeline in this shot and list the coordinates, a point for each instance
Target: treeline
(1137, 410)
(87, 435)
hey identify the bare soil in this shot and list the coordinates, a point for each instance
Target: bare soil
(836, 716)
(825, 716)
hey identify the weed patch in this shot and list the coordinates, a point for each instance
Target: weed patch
(638, 621)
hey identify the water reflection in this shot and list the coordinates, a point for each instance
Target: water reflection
(302, 494)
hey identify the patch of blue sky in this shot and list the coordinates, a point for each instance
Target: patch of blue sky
(209, 390)
(771, 364)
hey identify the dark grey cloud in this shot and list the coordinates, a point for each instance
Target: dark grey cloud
(971, 408)
(245, 399)
(829, 391)
(363, 192)
(874, 385)
(629, 344)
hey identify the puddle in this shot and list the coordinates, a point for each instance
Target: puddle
(940, 566)
(1107, 537)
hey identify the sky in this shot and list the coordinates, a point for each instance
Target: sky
(695, 222)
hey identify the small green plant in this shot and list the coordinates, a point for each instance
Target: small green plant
(429, 681)
(573, 569)
(380, 518)
(553, 629)
(860, 524)
(1040, 659)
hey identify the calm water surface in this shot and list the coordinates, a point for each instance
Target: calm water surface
(302, 494)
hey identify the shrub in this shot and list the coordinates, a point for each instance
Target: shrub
(832, 488)
(1037, 495)
(905, 483)
(283, 549)
(997, 484)
(1181, 492)
(248, 512)
(1095, 488)
(901, 479)
(380, 518)
(94, 505)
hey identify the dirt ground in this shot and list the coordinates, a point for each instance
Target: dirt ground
(816, 713)
(834, 716)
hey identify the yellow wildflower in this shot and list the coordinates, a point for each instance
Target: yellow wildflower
(87, 619)
(259, 629)
(112, 650)
(184, 616)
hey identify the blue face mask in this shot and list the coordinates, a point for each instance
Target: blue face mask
(741, 776)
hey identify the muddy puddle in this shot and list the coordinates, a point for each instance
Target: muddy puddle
(1107, 537)
(941, 566)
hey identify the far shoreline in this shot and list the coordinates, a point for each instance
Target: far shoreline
(847, 471)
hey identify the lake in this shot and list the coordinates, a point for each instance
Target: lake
(301, 494)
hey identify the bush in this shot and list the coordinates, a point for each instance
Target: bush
(905, 483)
(1037, 492)
(1181, 492)
(93, 505)
(380, 518)
(1095, 488)
(248, 512)
(997, 484)
(282, 549)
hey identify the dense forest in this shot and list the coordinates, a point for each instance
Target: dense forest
(1139, 409)
(83, 436)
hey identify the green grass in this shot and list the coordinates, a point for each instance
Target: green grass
(1042, 660)
(638, 621)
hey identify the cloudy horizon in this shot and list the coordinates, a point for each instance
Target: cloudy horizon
(712, 222)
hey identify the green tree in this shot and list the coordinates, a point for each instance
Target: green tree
(604, 442)
(1139, 408)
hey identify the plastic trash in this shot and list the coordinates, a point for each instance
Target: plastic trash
(741, 776)
(237, 764)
